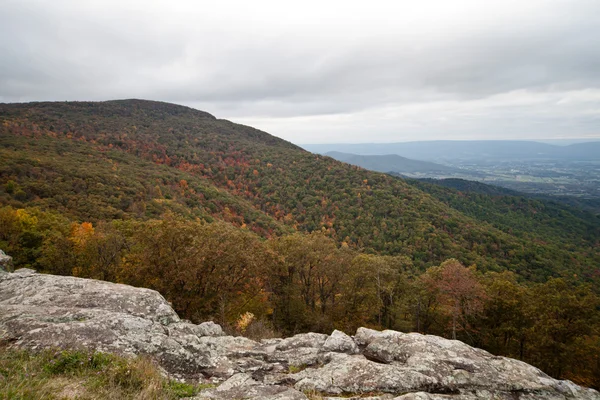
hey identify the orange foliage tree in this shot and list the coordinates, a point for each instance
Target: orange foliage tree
(458, 290)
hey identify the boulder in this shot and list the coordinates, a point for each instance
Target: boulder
(300, 357)
(209, 328)
(339, 342)
(27, 288)
(364, 336)
(44, 311)
(395, 362)
(314, 340)
(356, 374)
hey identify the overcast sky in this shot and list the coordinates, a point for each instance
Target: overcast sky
(322, 71)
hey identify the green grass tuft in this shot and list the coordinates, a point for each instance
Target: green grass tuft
(72, 374)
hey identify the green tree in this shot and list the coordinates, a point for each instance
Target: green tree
(505, 323)
(206, 270)
(563, 314)
(307, 281)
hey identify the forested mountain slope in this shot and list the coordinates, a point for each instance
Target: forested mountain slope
(143, 157)
(573, 203)
(514, 212)
(232, 224)
(88, 183)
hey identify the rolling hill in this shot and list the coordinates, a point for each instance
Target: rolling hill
(469, 150)
(391, 163)
(514, 212)
(232, 224)
(135, 159)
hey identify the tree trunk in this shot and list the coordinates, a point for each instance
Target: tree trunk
(454, 326)
(454, 314)
(419, 315)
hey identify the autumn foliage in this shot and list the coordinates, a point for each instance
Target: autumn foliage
(300, 282)
(227, 221)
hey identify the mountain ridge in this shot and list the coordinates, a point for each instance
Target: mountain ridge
(228, 222)
(298, 189)
(389, 163)
(436, 150)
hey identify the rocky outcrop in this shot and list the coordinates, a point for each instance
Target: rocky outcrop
(6, 264)
(39, 311)
(243, 386)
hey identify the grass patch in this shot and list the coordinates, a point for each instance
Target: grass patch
(292, 369)
(313, 395)
(84, 375)
(182, 389)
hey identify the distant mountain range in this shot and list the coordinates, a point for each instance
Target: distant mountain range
(391, 163)
(474, 187)
(438, 151)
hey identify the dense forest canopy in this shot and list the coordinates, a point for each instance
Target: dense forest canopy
(226, 220)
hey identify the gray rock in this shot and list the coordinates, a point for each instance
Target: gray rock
(209, 328)
(237, 354)
(428, 396)
(423, 363)
(235, 381)
(339, 342)
(40, 311)
(6, 262)
(300, 357)
(356, 374)
(385, 351)
(382, 397)
(242, 386)
(311, 339)
(25, 287)
(482, 395)
(364, 336)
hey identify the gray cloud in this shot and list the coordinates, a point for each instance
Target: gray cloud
(321, 71)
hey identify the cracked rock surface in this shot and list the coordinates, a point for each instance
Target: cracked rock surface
(39, 311)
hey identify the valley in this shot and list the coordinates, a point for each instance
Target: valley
(528, 167)
(580, 179)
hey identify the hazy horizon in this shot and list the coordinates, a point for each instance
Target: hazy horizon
(557, 142)
(322, 72)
